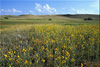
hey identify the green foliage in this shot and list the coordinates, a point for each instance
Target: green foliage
(85, 19)
(49, 19)
(89, 18)
(5, 17)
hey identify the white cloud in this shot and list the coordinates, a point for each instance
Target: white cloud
(16, 11)
(95, 4)
(38, 7)
(32, 12)
(94, 9)
(13, 11)
(46, 9)
(82, 11)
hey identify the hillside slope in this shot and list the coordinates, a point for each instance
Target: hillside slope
(81, 16)
(62, 16)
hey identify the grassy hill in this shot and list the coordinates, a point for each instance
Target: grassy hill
(81, 16)
(43, 19)
(30, 17)
(62, 16)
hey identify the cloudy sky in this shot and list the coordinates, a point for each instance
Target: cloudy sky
(48, 7)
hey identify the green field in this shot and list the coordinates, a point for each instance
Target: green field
(9, 22)
(35, 41)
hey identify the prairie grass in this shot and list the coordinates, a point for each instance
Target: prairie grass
(50, 45)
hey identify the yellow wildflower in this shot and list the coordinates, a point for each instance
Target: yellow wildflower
(58, 57)
(20, 41)
(34, 52)
(39, 50)
(17, 56)
(36, 61)
(72, 59)
(30, 62)
(43, 60)
(14, 52)
(66, 58)
(16, 47)
(63, 61)
(47, 49)
(59, 53)
(9, 58)
(26, 61)
(81, 65)
(63, 51)
(17, 61)
(13, 58)
(24, 50)
(26, 40)
(36, 55)
(34, 43)
(1, 52)
(29, 48)
(67, 54)
(53, 41)
(69, 48)
(97, 64)
(10, 65)
(9, 52)
(5, 55)
(56, 49)
(51, 55)
(63, 57)
(64, 47)
(72, 35)
(73, 54)
(42, 47)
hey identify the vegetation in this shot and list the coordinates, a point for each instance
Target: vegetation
(5, 17)
(56, 43)
(88, 18)
(49, 19)
(85, 18)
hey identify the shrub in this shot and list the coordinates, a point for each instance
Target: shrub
(89, 18)
(5, 17)
(49, 19)
(85, 19)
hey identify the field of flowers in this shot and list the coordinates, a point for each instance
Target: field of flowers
(50, 46)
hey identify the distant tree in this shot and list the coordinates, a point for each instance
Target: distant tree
(85, 19)
(49, 19)
(89, 18)
(5, 17)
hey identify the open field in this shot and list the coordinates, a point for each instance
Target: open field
(60, 42)
(11, 22)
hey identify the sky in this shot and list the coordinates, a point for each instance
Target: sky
(48, 7)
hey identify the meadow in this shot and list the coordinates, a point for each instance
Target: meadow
(49, 43)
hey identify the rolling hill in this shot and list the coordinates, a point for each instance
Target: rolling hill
(61, 16)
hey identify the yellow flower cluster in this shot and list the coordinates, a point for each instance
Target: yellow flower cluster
(50, 45)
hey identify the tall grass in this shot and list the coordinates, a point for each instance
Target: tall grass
(51, 46)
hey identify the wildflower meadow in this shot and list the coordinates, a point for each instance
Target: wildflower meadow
(50, 45)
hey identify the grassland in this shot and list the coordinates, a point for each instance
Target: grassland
(39, 42)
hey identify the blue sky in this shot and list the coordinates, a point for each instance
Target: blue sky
(48, 7)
